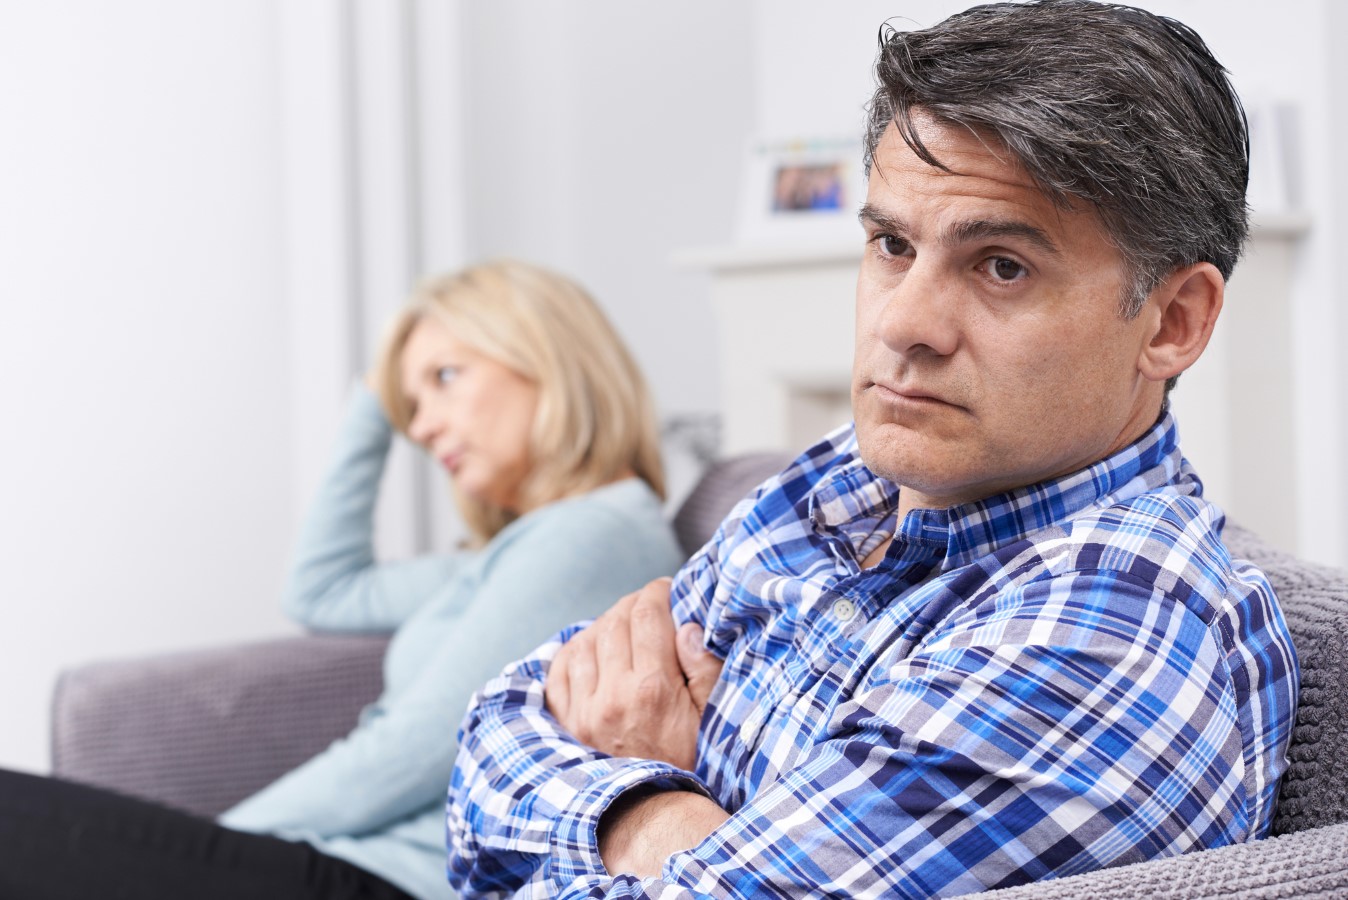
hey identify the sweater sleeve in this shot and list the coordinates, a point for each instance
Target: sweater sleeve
(335, 582)
(547, 570)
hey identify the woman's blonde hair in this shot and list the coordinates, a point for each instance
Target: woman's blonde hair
(594, 422)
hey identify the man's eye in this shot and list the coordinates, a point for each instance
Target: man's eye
(446, 374)
(891, 245)
(1003, 269)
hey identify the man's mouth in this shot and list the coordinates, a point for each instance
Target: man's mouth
(909, 396)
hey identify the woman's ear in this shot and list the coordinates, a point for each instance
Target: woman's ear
(1186, 305)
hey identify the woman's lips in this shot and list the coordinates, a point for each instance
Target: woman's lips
(451, 461)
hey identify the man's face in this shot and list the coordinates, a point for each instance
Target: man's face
(990, 351)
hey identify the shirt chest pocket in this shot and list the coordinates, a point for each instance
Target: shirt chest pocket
(786, 721)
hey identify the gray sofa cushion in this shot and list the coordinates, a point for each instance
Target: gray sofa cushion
(1297, 866)
(202, 730)
(722, 485)
(1314, 599)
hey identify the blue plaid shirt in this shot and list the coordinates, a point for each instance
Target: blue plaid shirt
(1068, 676)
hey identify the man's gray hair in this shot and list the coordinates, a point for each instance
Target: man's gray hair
(1107, 104)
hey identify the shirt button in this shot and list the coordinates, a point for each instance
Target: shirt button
(844, 609)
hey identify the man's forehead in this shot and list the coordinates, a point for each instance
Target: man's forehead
(961, 154)
(993, 194)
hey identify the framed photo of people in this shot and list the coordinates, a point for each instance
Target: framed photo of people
(806, 188)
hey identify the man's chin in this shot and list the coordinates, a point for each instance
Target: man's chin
(891, 464)
(916, 460)
(894, 451)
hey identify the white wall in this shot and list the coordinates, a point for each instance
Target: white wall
(144, 461)
(168, 174)
(603, 136)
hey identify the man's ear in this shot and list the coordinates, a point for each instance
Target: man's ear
(1185, 307)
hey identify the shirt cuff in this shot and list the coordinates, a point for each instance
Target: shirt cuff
(575, 843)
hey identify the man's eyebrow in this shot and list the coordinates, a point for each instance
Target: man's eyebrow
(984, 229)
(876, 216)
(966, 232)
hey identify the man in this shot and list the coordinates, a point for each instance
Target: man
(989, 634)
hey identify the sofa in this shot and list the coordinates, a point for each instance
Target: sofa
(201, 730)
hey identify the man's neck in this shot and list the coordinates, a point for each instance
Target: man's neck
(873, 558)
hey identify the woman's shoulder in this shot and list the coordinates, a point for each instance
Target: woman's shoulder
(627, 503)
(601, 544)
(625, 513)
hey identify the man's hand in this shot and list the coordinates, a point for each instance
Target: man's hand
(630, 686)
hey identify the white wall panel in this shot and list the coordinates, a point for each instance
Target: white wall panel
(145, 460)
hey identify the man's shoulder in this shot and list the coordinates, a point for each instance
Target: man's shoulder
(1164, 538)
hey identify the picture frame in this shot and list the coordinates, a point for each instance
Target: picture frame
(801, 189)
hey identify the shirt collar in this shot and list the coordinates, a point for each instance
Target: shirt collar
(861, 507)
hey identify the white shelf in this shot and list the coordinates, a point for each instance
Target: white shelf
(768, 256)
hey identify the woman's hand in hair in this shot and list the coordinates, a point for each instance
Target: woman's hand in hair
(372, 381)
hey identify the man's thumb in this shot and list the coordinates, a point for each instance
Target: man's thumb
(700, 666)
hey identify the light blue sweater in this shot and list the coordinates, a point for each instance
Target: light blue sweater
(376, 797)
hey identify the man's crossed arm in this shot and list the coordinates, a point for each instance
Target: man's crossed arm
(630, 685)
(941, 773)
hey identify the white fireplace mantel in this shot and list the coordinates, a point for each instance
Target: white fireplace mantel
(785, 318)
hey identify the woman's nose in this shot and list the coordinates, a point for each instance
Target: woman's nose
(424, 427)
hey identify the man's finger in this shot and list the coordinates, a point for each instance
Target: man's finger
(700, 666)
(557, 687)
(612, 643)
(653, 632)
(582, 668)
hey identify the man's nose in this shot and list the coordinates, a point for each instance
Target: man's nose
(920, 312)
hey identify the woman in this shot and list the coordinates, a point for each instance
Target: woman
(511, 377)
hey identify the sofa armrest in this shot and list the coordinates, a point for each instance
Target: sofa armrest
(1304, 864)
(202, 730)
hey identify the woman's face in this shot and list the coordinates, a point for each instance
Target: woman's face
(470, 412)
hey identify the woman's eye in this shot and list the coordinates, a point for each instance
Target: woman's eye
(1004, 269)
(446, 374)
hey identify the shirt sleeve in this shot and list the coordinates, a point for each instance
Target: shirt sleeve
(518, 771)
(1060, 727)
(550, 570)
(335, 583)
